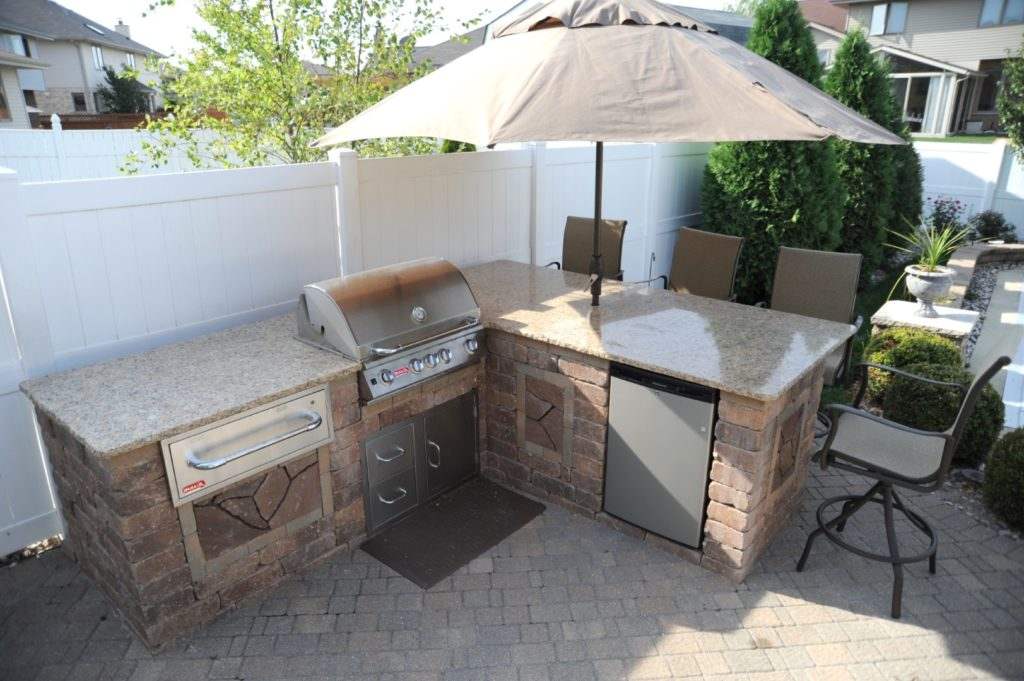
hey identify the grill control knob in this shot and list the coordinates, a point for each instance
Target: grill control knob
(431, 360)
(471, 345)
(445, 355)
(416, 365)
(387, 376)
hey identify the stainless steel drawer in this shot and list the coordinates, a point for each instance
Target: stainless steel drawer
(392, 497)
(390, 453)
(219, 454)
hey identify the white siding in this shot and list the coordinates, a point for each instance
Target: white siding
(946, 30)
(15, 100)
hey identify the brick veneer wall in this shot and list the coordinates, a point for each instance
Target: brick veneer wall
(759, 461)
(148, 557)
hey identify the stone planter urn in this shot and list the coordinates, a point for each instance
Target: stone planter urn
(928, 286)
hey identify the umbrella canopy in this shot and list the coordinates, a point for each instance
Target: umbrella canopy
(614, 71)
(609, 71)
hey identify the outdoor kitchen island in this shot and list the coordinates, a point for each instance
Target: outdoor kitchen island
(546, 396)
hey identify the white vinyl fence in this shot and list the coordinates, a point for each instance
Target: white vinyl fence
(50, 155)
(95, 269)
(982, 176)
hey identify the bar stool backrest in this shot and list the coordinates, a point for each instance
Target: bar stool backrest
(704, 263)
(816, 284)
(578, 245)
(956, 430)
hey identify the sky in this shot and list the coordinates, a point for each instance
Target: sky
(168, 29)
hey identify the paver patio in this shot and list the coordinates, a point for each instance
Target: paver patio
(569, 598)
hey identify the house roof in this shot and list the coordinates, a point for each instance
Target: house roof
(824, 13)
(728, 24)
(48, 20)
(814, 25)
(920, 58)
(20, 62)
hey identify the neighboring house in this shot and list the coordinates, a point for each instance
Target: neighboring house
(946, 56)
(13, 109)
(729, 24)
(76, 50)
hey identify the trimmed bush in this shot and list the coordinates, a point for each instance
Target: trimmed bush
(934, 407)
(860, 80)
(991, 224)
(1004, 479)
(899, 347)
(774, 193)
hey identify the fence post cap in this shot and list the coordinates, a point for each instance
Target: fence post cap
(341, 152)
(8, 174)
(55, 121)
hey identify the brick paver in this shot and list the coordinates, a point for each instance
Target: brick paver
(568, 598)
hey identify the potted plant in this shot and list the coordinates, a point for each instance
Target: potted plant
(928, 278)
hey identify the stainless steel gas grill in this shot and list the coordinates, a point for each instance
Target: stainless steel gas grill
(406, 323)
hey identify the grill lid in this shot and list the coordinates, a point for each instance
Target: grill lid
(383, 310)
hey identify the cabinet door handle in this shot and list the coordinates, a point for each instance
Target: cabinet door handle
(401, 495)
(386, 459)
(437, 448)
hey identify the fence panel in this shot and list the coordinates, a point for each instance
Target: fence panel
(52, 155)
(468, 207)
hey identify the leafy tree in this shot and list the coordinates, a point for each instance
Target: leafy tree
(246, 80)
(860, 80)
(454, 146)
(1010, 101)
(774, 193)
(123, 93)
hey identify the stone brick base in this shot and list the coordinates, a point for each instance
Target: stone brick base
(546, 423)
(170, 570)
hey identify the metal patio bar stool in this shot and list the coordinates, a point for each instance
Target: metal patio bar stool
(895, 456)
(703, 264)
(578, 246)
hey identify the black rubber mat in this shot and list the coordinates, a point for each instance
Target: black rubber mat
(434, 541)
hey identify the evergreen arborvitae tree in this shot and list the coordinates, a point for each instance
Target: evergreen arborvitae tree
(123, 93)
(774, 193)
(907, 192)
(1010, 101)
(860, 80)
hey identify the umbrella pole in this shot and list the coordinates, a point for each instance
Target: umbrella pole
(596, 266)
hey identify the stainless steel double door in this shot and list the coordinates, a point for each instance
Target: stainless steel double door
(412, 462)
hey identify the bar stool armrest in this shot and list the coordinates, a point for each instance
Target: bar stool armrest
(863, 369)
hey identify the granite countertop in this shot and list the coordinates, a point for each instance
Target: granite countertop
(736, 348)
(125, 403)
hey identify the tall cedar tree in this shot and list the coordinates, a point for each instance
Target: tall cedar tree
(123, 93)
(774, 193)
(860, 80)
(1010, 101)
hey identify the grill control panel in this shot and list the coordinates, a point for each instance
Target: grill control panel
(405, 369)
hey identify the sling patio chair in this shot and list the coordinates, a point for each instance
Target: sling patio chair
(578, 246)
(894, 455)
(703, 264)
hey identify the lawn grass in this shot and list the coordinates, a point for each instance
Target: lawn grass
(868, 302)
(960, 139)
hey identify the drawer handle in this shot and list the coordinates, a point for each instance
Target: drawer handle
(437, 447)
(313, 421)
(402, 492)
(389, 459)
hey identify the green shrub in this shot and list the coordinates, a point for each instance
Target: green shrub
(1004, 478)
(934, 407)
(899, 347)
(774, 193)
(860, 80)
(1010, 101)
(907, 186)
(991, 224)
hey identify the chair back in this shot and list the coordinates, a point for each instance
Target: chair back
(956, 430)
(704, 263)
(578, 245)
(816, 284)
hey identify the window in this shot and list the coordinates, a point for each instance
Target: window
(12, 42)
(889, 18)
(97, 56)
(5, 111)
(94, 29)
(78, 99)
(30, 97)
(995, 12)
(990, 87)
(129, 59)
(825, 57)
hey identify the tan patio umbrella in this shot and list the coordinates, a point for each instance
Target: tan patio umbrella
(609, 71)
